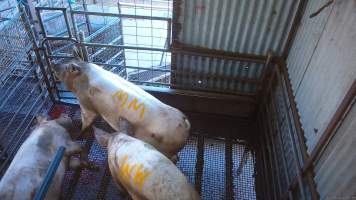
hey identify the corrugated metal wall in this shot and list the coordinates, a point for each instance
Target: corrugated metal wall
(322, 68)
(243, 26)
(322, 64)
(335, 172)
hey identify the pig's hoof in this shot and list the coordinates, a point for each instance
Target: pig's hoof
(91, 166)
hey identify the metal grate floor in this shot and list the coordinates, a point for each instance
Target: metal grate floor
(218, 168)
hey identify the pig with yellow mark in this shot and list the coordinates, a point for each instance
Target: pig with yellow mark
(103, 93)
(142, 170)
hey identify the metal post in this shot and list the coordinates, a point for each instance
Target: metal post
(83, 49)
(36, 49)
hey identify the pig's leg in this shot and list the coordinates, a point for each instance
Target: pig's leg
(88, 117)
(74, 148)
(75, 164)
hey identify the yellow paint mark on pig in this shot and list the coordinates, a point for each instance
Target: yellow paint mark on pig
(133, 105)
(133, 173)
(121, 98)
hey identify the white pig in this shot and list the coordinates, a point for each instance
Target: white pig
(143, 171)
(29, 166)
(101, 92)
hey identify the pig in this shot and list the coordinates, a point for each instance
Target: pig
(144, 172)
(103, 93)
(29, 166)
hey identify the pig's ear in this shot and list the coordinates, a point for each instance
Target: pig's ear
(74, 69)
(77, 53)
(41, 118)
(101, 136)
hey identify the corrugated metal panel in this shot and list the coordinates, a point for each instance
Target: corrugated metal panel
(306, 40)
(335, 172)
(243, 26)
(216, 74)
(330, 71)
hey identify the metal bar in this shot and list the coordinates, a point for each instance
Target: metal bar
(279, 136)
(119, 15)
(271, 161)
(199, 164)
(40, 20)
(49, 8)
(198, 51)
(70, 35)
(332, 127)
(269, 139)
(41, 193)
(85, 6)
(300, 134)
(74, 24)
(83, 48)
(268, 174)
(89, 44)
(228, 162)
(49, 64)
(294, 144)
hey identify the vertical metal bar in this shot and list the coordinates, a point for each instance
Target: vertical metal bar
(200, 163)
(302, 147)
(83, 49)
(279, 136)
(270, 158)
(67, 23)
(41, 193)
(74, 24)
(36, 49)
(122, 40)
(228, 163)
(85, 6)
(269, 182)
(269, 139)
(40, 20)
(49, 64)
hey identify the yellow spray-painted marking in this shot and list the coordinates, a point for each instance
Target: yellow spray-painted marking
(133, 171)
(122, 97)
(136, 107)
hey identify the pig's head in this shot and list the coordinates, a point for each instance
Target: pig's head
(63, 121)
(73, 72)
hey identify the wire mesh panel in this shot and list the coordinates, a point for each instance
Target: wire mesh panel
(22, 94)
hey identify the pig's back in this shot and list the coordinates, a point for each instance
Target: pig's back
(152, 175)
(27, 169)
